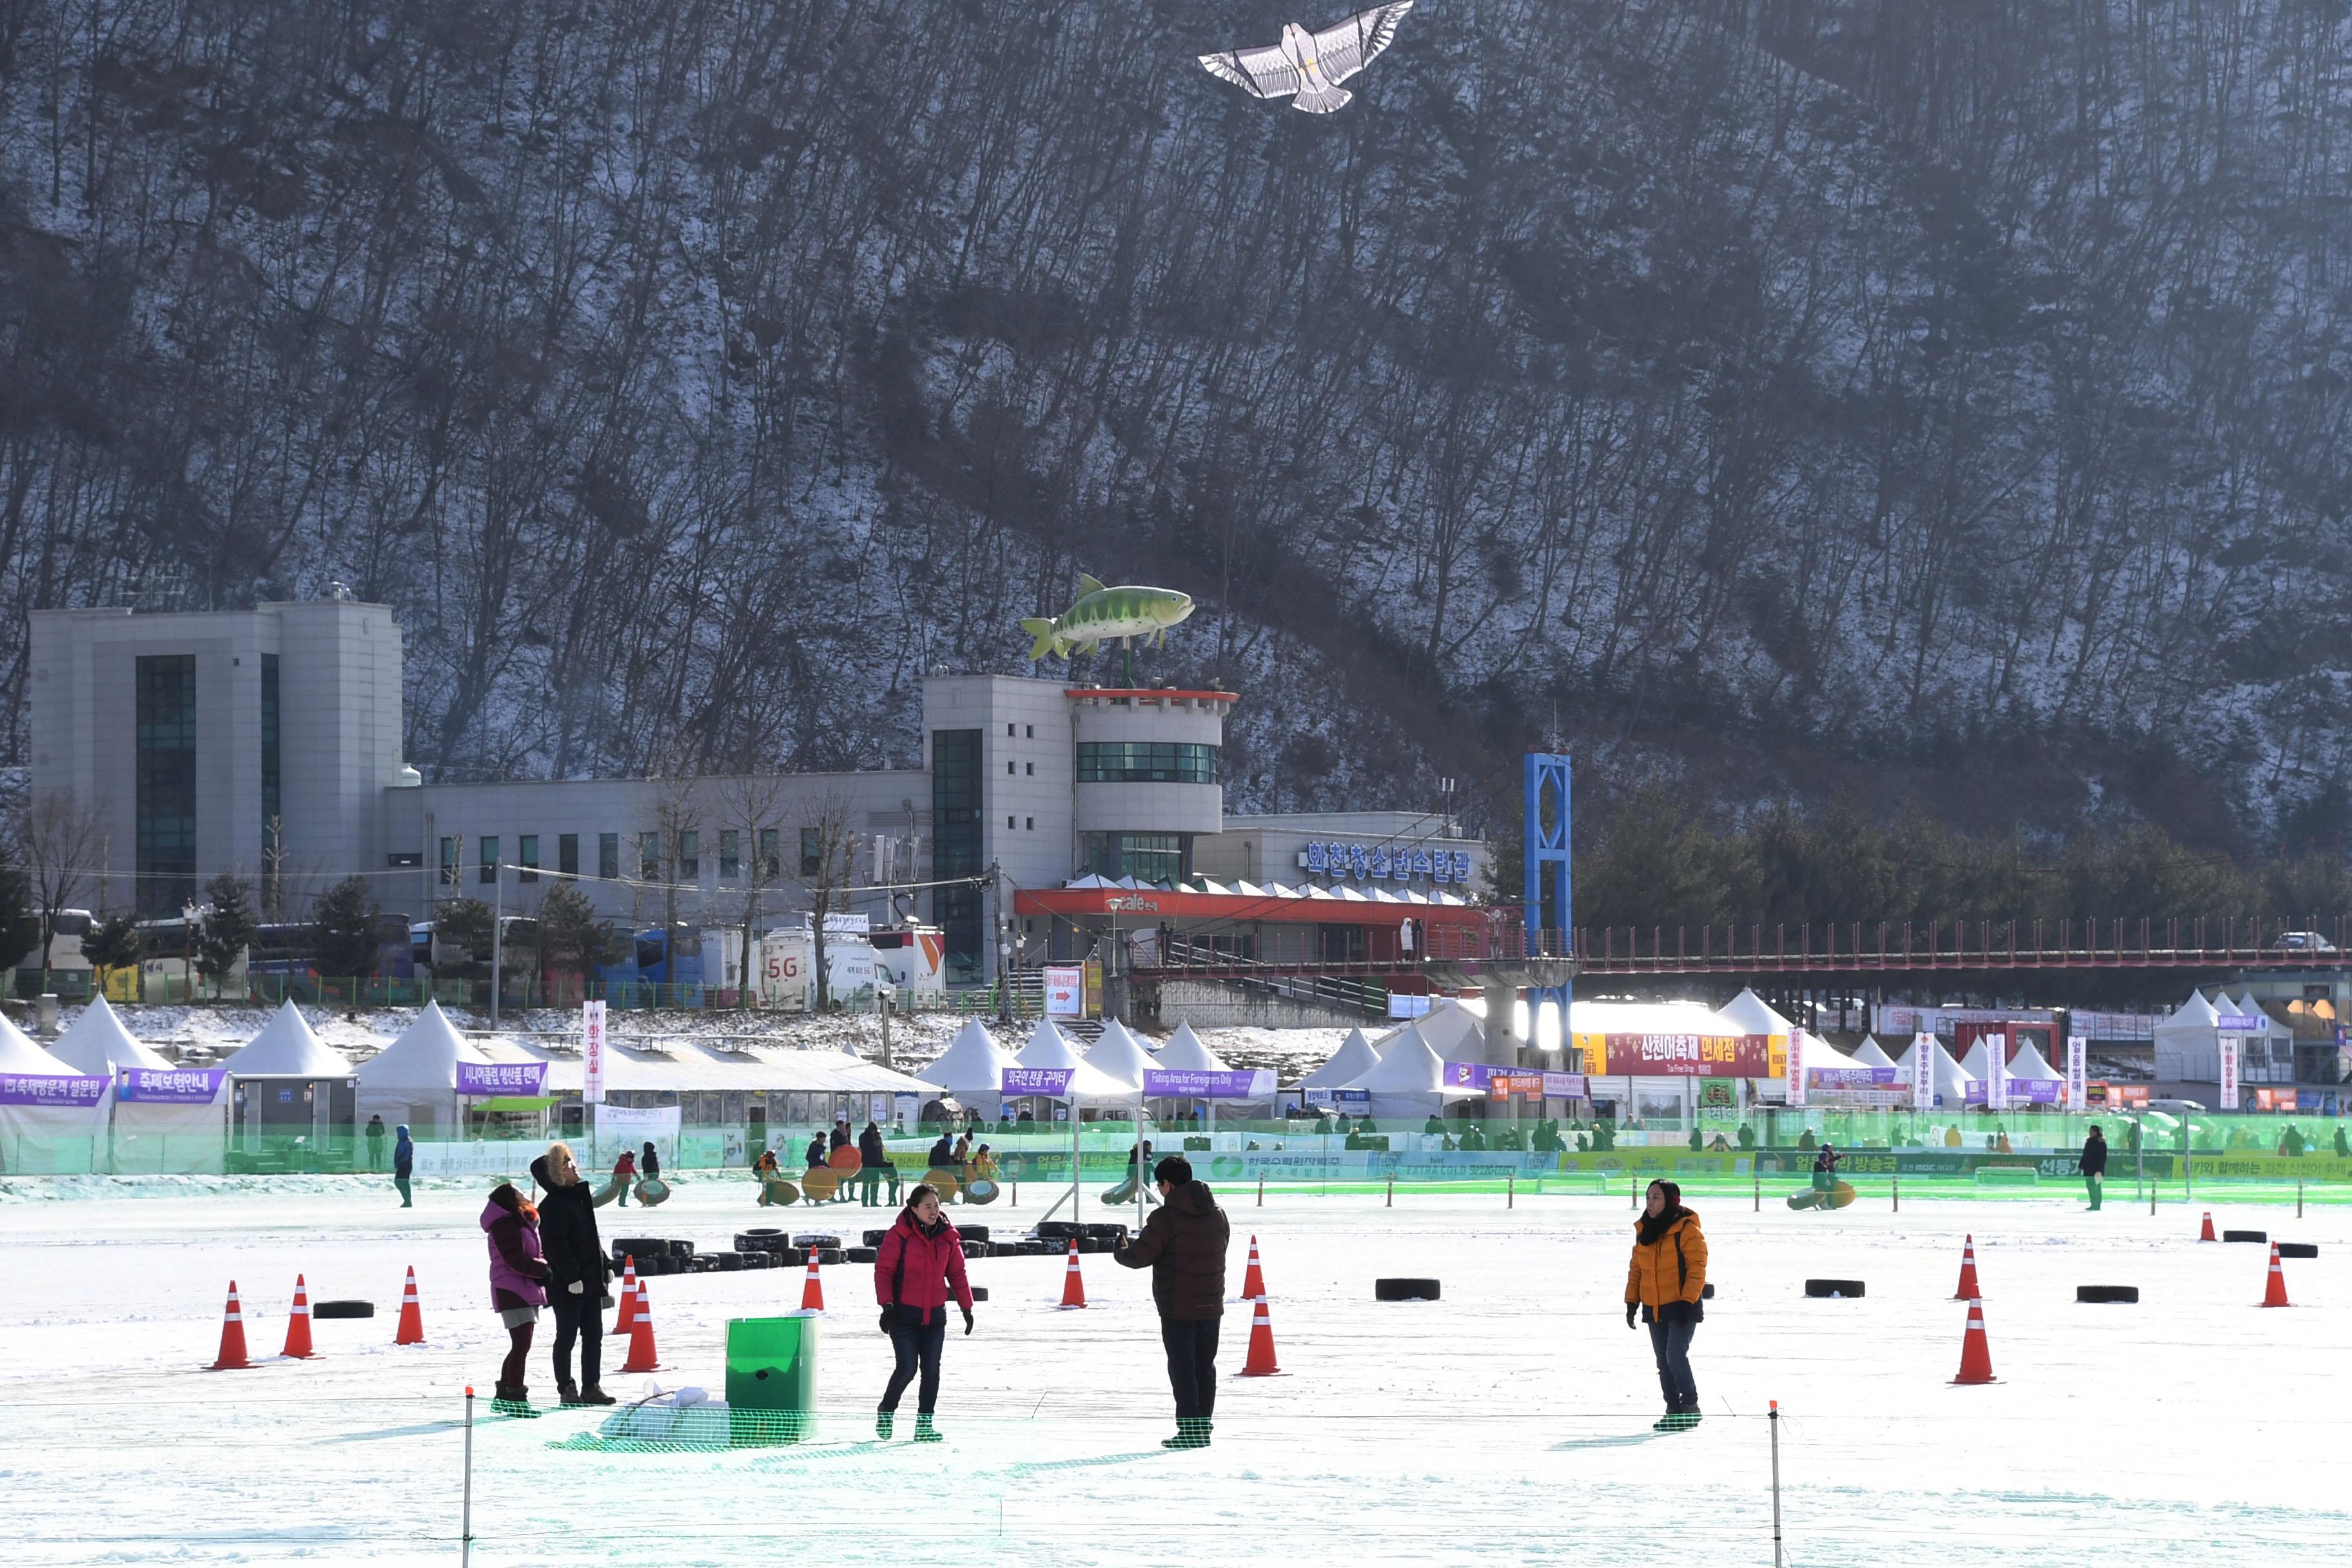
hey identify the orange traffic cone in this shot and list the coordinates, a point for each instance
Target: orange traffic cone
(1261, 1361)
(297, 1324)
(811, 1288)
(626, 1318)
(1967, 1289)
(232, 1349)
(642, 1357)
(2208, 1235)
(411, 1315)
(1074, 1288)
(1253, 1282)
(2274, 1294)
(1975, 1352)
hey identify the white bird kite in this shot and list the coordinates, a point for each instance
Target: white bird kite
(1311, 66)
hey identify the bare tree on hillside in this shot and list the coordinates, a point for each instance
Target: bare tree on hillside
(827, 869)
(59, 841)
(750, 804)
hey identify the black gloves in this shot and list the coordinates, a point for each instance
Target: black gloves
(966, 1320)
(1630, 1308)
(888, 1314)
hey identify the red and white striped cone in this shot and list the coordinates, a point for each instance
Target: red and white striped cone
(1252, 1282)
(1074, 1285)
(2274, 1293)
(642, 1356)
(1967, 1289)
(2207, 1234)
(297, 1324)
(626, 1318)
(812, 1288)
(1975, 1352)
(232, 1356)
(411, 1314)
(1261, 1361)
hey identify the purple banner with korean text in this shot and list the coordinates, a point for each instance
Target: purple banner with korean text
(1180, 1085)
(170, 1085)
(1853, 1078)
(480, 1079)
(68, 1092)
(1469, 1075)
(1052, 1082)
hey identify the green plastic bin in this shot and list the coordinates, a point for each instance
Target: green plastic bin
(771, 1378)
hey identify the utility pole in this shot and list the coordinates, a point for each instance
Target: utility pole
(1003, 949)
(497, 931)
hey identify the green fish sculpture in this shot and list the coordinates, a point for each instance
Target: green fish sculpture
(1101, 614)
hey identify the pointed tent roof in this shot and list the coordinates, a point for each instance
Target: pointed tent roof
(97, 1043)
(1185, 1053)
(1871, 1054)
(18, 1054)
(286, 1048)
(424, 1056)
(1977, 1063)
(2246, 1005)
(2030, 1063)
(1120, 1055)
(1410, 1066)
(1049, 1047)
(2195, 1015)
(1820, 1053)
(1354, 1058)
(1952, 1080)
(973, 1063)
(1754, 1014)
(1451, 1029)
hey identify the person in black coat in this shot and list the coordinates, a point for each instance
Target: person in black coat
(2093, 1163)
(578, 1273)
(873, 1165)
(816, 1151)
(1183, 1244)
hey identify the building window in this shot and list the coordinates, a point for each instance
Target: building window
(272, 799)
(608, 856)
(1146, 762)
(448, 862)
(689, 855)
(166, 782)
(489, 862)
(527, 856)
(567, 854)
(730, 853)
(1146, 857)
(1033, 769)
(1009, 823)
(811, 856)
(649, 857)
(1008, 731)
(955, 843)
(1032, 825)
(1009, 769)
(771, 852)
(1032, 732)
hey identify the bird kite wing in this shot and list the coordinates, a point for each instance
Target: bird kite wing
(1345, 48)
(1264, 73)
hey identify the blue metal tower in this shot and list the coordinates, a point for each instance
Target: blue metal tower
(1548, 881)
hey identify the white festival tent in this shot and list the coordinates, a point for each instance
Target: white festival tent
(1409, 1081)
(972, 1069)
(1871, 1054)
(45, 1139)
(1354, 1058)
(1952, 1080)
(286, 1048)
(1089, 1085)
(2189, 1043)
(145, 1136)
(1452, 1029)
(2246, 1007)
(1185, 1053)
(414, 1079)
(2030, 1064)
(1120, 1055)
(1754, 1016)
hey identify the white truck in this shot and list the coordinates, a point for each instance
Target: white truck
(785, 958)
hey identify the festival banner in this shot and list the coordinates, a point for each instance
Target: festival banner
(480, 1079)
(1796, 1070)
(1176, 1084)
(2077, 1073)
(1566, 1086)
(1923, 1072)
(1066, 991)
(1996, 1077)
(1052, 1082)
(1504, 1083)
(67, 1091)
(1468, 1075)
(592, 1053)
(1677, 1055)
(2229, 1044)
(170, 1085)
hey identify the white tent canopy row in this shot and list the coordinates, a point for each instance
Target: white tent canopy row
(285, 1048)
(414, 1079)
(1952, 1080)
(1089, 1085)
(1185, 1053)
(1410, 1078)
(1871, 1054)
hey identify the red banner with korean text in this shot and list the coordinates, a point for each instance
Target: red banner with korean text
(1677, 1055)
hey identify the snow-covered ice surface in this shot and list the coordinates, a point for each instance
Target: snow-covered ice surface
(1509, 1421)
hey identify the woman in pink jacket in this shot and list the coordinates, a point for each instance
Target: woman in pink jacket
(518, 1272)
(918, 1266)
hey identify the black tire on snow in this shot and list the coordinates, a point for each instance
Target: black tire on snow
(859, 1254)
(1404, 1290)
(2298, 1249)
(342, 1308)
(2104, 1294)
(1822, 1289)
(2254, 1236)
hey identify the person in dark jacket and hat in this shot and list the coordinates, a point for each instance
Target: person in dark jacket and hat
(577, 1273)
(917, 1269)
(1667, 1284)
(2093, 1164)
(1183, 1244)
(873, 1166)
(403, 1162)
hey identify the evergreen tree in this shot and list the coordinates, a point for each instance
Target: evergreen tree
(465, 924)
(114, 942)
(344, 921)
(228, 927)
(571, 937)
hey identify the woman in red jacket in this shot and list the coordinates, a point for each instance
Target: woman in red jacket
(917, 1266)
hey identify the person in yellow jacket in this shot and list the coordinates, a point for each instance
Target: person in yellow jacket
(1667, 1285)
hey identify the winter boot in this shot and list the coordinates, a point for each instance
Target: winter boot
(1668, 1422)
(594, 1395)
(1192, 1432)
(511, 1399)
(885, 1422)
(924, 1431)
(566, 1391)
